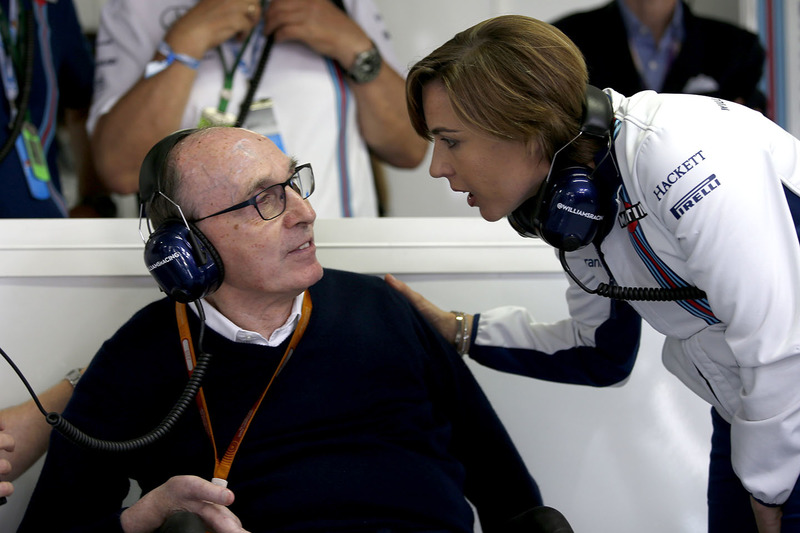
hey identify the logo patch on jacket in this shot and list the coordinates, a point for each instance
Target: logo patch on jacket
(631, 214)
(695, 196)
(680, 171)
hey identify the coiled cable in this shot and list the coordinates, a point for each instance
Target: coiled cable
(77, 436)
(649, 294)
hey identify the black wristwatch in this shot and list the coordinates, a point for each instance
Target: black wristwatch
(367, 66)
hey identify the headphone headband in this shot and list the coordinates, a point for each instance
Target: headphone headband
(154, 164)
(598, 115)
(180, 258)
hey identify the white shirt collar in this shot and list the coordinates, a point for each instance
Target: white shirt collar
(222, 325)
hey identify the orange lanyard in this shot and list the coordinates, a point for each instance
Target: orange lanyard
(223, 467)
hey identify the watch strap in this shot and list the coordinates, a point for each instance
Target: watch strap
(367, 65)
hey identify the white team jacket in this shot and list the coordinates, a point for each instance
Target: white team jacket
(712, 182)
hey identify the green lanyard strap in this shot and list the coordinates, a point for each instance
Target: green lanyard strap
(227, 87)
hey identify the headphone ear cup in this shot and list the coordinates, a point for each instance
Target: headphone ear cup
(207, 253)
(572, 213)
(523, 219)
(183, 262)
(567, 214)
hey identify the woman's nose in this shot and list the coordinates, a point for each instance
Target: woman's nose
(439, 167)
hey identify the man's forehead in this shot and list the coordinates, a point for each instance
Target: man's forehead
(232, 151)
(225, 165)
(228, 142)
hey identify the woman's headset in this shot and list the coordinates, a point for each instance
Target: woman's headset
(182, 260)
(568, 211)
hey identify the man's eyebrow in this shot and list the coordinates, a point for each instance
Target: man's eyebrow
(265, 182)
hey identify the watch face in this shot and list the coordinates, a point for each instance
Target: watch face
(367, 66)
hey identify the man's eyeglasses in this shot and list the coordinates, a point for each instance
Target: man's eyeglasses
(271, 202)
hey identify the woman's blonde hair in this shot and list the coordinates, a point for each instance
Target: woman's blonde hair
(512, 77)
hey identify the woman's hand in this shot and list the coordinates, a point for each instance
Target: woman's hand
(444, 321)
(768, 519)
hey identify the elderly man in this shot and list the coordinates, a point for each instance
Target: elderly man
(373, 424)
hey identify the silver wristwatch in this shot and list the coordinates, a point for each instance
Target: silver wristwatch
(367, 66)
(73, 376)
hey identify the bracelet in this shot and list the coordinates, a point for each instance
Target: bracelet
(462, 334)
(154, 67)
(73, 376)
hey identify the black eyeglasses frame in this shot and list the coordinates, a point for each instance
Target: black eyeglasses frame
(295, 182)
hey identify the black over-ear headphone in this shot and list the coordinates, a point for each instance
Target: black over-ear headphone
(568, 210)
(182, 260)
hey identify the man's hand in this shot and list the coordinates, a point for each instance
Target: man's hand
(381, 110)
(768, 519)
(6, 444)
(210, 23)
(319, 24)
(183, 493)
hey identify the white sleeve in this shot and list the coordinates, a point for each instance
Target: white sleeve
(367, 15)
(125, 44)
